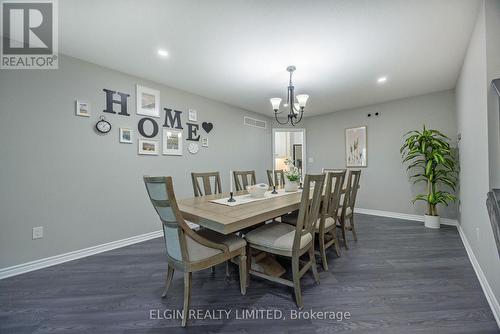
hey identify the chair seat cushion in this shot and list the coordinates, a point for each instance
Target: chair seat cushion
(277, 236)
(291, 218)
(232, 241)
(348, 211)
(329, 221)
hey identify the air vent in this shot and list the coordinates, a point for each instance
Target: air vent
(256, 123)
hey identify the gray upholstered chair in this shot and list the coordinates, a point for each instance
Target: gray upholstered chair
(207, 179)
(279, 177)
(244, 178)
(187, 250)
(346, 211)
(292, 241)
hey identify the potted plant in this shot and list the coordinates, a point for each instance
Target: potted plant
(429, 154)
(293, 176)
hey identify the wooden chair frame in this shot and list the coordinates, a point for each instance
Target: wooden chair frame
(280, 179)
(241, 179)
(306, 223)
(207, 187)
(329, 209)
(186, 266)
(349, 202)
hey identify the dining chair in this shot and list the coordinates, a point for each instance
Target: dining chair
(326, 228)
(346, 211)
(244, 178)
(327, 170)
(291, 241)
(279, 176)
(189, 251)
(207, 179)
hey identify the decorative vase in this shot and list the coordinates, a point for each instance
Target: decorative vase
(431, 221)
(291, 185)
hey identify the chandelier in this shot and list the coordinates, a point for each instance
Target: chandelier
(296, 104)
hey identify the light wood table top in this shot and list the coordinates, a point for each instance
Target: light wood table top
(229, 219)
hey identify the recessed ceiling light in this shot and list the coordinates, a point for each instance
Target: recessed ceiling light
(382, 80)
(162, 52)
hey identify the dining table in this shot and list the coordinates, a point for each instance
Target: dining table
(227, 219)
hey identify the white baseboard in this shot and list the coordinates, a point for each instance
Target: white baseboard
(405, 216)
(488, 292)
(61, 258)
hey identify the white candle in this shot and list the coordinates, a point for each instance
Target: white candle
(230, 180)
(274, 179)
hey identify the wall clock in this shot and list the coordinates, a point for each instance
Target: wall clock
(102, 125)
(193, 148)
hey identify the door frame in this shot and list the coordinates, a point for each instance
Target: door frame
(304, 146)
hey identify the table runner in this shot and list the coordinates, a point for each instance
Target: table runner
(243, 199)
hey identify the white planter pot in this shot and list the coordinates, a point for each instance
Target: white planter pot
(291, 185)
(431, 221)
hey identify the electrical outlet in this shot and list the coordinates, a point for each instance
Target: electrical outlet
(37, 232)
(477, 233)
(311, 160)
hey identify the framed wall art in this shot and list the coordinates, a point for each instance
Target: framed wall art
(355, 147)
(193, 115)
(172, 142)
(82, 108)
(126, 135)
(148, 147)
(148, 101)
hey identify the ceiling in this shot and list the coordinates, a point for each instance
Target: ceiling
(236, 51)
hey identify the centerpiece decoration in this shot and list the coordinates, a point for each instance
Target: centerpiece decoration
(292, 174)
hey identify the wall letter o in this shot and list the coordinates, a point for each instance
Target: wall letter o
(141, 127)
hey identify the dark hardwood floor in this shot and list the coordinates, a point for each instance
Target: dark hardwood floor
(398, 278)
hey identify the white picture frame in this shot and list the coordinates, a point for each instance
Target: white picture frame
(172, 142)
(126, 135)
(355, 147)
(204, 142)
(148, 147)
(82, 108)
(192, 115)
(147, 101)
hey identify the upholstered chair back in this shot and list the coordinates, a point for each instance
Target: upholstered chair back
(182, 243)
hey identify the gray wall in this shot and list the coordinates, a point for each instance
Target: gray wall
(384, 183)
(86, 189)
(472, 114)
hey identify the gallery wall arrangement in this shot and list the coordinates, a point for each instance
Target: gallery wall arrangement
(148, 104)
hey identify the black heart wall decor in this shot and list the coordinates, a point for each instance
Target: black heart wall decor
(207, 126)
